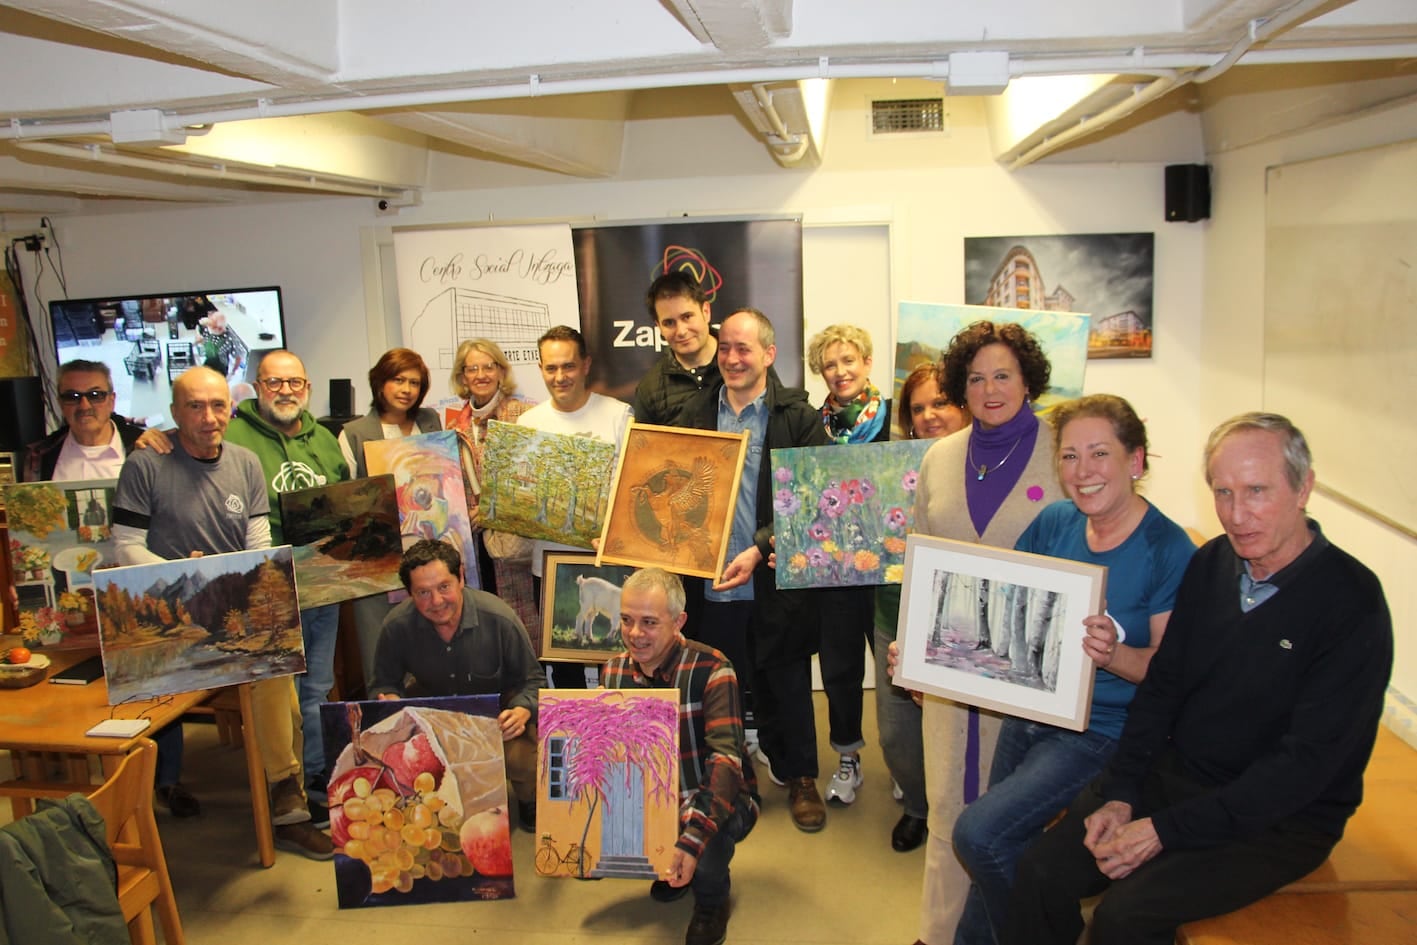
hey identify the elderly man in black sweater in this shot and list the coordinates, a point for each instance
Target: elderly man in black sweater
(1244, 749)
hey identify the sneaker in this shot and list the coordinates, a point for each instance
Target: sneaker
(317, 787)
(896, 793)
(288, 803)
(178, 800)
(319, 814)
(809, 812)
(660, 891)
(709, 925)
(761, 761)
(306, 840)
(847, 779)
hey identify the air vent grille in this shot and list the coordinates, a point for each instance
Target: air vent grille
(907, 115)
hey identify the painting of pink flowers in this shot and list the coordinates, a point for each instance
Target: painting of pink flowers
(841, 514)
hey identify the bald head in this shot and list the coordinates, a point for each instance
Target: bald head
(201, 408)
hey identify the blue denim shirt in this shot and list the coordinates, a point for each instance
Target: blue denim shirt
(753, 421)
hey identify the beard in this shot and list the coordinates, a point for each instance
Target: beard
(283, 411)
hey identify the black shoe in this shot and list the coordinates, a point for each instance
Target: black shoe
(316, 786)
(178, 800)
(660, 891)
(909, 832)
(709, 926)
(319, 814)
(526, 815)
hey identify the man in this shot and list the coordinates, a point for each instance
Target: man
(209, 497)
(1244, 748)
(745, 616)
(575, 411)
(93, 440)
(717, 790)
(296, 453)
(680, 310)
(456, 641)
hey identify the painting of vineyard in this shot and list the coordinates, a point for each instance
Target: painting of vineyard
(345, 537)
(545, 486)
(198, 623)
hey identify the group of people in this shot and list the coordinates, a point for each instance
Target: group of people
(1237, 688)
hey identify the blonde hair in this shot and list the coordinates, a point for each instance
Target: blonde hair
(488, 347)
(836, 334)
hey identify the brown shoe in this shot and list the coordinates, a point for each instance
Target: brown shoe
(809, 811)
(305, 840)
(288, 805)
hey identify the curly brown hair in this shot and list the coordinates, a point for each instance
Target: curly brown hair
(965, 345)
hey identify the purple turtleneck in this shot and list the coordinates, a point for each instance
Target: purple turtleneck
(1010, 444)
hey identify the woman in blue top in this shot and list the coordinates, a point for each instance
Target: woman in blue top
(1039, 768)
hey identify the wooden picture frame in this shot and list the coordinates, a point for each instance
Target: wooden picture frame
(672, 499)
(998, 629)
(578, 597)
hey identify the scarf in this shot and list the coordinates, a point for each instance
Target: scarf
(473, 419)
(856, 422)
(1005, 451)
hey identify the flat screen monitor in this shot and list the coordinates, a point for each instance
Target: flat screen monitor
(148, 340)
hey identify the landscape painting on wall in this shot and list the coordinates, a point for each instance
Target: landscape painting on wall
(59, 533)
(198, 623)
(428, 480)
(545, 486)
(418, 801)
(345, 538)
(607, 782)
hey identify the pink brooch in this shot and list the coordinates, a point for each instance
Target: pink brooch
(1035, 493)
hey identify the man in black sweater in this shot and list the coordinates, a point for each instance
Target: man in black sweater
(1244, 749)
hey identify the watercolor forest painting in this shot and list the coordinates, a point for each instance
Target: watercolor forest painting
(841, 513)
(546, 486)
(345, 537)
(607, 782)
(432, 494)
(418, 801)
(198, 623)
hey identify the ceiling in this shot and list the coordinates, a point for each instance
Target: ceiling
(206, 101)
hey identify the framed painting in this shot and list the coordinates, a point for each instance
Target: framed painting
(580, 607)
(841, 513)
(671, 505)
(428, 481)
(198, 623)
(418, 801)
(607, 797)
(999, 629)
(345, 539)
(545, 486)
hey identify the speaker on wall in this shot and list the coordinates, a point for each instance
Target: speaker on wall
(1187, 193)
(21, 413)
(341, 397)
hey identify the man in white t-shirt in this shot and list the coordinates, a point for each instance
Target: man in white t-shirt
(93, 440)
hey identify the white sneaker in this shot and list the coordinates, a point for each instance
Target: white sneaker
(760, 761)
(847, 779)
(896, 793)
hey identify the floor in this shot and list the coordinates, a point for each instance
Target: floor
(842, 885)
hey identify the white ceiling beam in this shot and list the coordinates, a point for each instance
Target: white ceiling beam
(735, 25)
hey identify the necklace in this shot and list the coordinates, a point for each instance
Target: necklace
(983, 470)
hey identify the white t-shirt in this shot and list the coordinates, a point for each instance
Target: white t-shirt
(77, 461)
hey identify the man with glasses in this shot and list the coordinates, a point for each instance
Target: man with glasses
(93, 441)
(296, 453)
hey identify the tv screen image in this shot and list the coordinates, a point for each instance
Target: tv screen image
(147, 341)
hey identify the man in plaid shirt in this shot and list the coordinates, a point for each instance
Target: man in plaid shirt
(719, 795)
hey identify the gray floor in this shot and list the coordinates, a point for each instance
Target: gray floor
(842, 885)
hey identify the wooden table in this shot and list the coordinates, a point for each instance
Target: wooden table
(47, 719)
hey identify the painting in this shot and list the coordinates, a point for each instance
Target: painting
(428, 481)
(841, 513)
(1110, 275)
(59, 533)
(924, 330)
(672, 502)
(999, 629)
(607, 797)
(546, 486)
(580, 608)
(198, 623)
(418, 801)
(345, 537)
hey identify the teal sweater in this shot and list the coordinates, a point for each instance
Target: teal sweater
(311, 457)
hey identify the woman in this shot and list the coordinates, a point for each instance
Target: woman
(398, 382)
(985, 486)
(854, 412)
(482, 376)
(924, 413)
(1038, 768)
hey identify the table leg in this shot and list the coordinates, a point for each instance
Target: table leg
(256, 773)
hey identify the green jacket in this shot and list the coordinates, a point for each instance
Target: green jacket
(311, 457)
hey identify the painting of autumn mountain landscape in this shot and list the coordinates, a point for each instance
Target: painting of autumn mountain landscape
(346, 539)
(198, 623)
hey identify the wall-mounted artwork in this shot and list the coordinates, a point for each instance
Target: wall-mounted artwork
(198, 623)
(580, 608)
(428, 481)
(546, 486)
(672, 502)
(345, 537)
(59, 533)
(924, 330)
(1110, 275)
(607, 782)
(841, 513)
(418, 801)
(999, 629)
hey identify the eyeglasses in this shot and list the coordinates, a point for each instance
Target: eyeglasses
(274, 384)
(476, 369)
(94, 396)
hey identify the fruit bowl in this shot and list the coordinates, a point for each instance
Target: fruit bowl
(21, 675)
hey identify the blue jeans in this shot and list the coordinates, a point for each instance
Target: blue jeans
(711, 880)
(320, 628)
(1038, 769)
